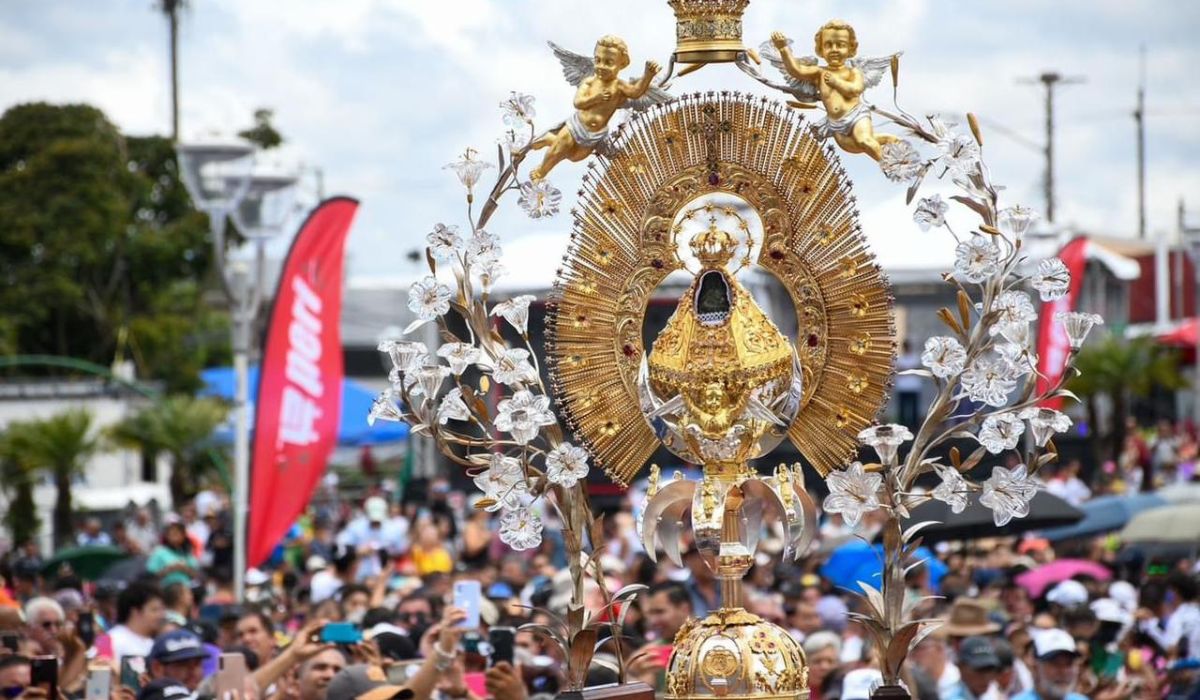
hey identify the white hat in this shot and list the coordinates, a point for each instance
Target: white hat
(1124, 594)
(1053, 641)
(315, 563)
(858, 684)
(256, 577)
(1109, 610)
(1068, 594)
(376, 509)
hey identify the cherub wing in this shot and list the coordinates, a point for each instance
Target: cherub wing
(575, 67)
(804, 90)
(872, 69)
(654, 96)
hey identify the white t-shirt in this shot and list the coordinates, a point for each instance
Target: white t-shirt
(126, 642)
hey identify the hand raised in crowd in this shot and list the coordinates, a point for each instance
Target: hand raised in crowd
(445, 633)
(503, 682)
(307, 642)
(367, 652)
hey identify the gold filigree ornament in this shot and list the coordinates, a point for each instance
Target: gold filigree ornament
(618, 256)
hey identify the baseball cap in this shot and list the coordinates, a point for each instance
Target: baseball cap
(363, 682)
(1109, 610)
(1124, 594)
(256, 577)
(978, 653)
(177, 645)
(164, 689)
(1050, 643)
(376, 509)
(858, 684)
(1068, 594)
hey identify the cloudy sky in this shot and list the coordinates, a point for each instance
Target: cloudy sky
(381, 93)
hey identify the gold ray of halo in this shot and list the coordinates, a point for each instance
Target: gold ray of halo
(622, 247)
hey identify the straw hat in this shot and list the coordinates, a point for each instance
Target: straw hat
(967, 618)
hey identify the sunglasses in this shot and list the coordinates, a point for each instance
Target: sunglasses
(51, 624)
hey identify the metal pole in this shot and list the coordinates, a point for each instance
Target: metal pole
(1050, 79)
(241, 445)
(1139, 116)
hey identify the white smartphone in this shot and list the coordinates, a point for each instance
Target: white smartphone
(468, 595)
(99, 683)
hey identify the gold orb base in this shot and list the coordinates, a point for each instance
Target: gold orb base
(737, 655)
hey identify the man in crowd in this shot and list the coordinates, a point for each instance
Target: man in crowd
(14, 674)
(979, 666)
(314, 675)
(668, 606)
(93, 535)
(140, 614)
(44, 621)
(178, 656)
(1057, 669)
(256, 632)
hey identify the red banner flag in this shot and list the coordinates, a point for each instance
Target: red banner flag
(300, 383)
(1053, 346)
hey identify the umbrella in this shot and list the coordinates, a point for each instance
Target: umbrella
(1105, 514)
(1045, 510)
(1043, 577)
(123, 571)
(859, 561)
(1180, 493)
(87, 562)
(1169, 524)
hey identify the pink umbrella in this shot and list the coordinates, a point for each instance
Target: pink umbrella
(1043, 577)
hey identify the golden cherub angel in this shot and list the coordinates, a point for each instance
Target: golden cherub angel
(838, 85)
(600, 93)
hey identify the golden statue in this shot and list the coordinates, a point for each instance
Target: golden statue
(600, 93)
(838, 85)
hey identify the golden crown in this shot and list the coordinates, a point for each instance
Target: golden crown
(713, 247)
(708, 31)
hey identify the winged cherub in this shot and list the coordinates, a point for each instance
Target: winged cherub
(600, 93)
(838, 85)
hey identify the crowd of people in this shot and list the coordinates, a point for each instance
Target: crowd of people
(388, 565)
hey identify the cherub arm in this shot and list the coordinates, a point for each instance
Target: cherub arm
(584, 100)
(639, 88)
(849, 87)
(794, 68)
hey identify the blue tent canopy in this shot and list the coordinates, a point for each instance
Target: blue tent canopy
(858, 561)
(353, 430)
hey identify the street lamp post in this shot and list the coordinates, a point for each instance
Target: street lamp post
(218, 176)
(1192, 237)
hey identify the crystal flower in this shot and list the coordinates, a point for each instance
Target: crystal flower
(385, 408)
(487, 273)
(518, 110)
(976, 259)
(931, 212)
(900, 162)
(514, 140)
(513, 367)
(852, 492)
(515, 311)
(990, 379)
(444, 242)
(944, 356)
(428, 298)
(1000, 432)
(1052, 279)
(539, 199)
(1044, 423)
(452, 407)
(1015, 221)
(460, 356)
(1016, 311)
(403, 352)
(1008, 493)
(503, 482)
(1077, 325)
(886, 440)
(483, 248)
(523, 415)
(520, 529)
(1017, 356)
(952, 490)
(469, 169)
(567, 464)
(959, 153)
(430, 378)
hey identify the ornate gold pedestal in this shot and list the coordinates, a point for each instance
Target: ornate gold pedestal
(735, 654)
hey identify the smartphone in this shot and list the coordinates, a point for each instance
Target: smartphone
(10, 641)
(99, 683)
(400, 672)
(384, 557)
(132, 670)
(468, 595)
(502, 640)
(341, 633)
(86, 628)
(43, 673)
(230, 681)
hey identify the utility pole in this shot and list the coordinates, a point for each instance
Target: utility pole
(171, 9)
(1051, 80)
(1139, 117)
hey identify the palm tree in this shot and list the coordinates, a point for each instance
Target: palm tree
(16, 478)
(182, 427)
(61, 445)
(1121, 370)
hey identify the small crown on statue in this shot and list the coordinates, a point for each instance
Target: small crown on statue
(713, 247)
(708, 31)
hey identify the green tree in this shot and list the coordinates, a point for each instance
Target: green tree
(182, 427)
(99, 230)
(263, 134)
(61, 445)
(1121, 370)
(17, 479)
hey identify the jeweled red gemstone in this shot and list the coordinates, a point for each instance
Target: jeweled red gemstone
(714, 179)
(629, 350)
